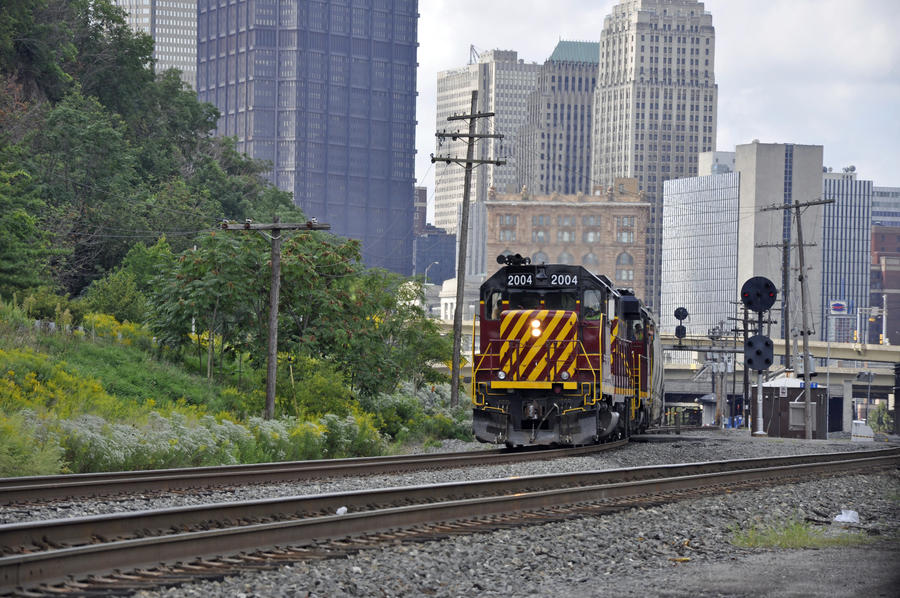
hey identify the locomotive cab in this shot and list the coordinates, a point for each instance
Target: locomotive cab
(541, 358)
(560, 357)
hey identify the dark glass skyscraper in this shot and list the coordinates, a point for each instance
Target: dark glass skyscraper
(326, 91)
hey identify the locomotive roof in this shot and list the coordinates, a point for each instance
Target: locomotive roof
(542, 275)
(543, 272)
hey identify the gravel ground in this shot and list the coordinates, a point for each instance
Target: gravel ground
(631, 553)
(691, 447)
(681, 549)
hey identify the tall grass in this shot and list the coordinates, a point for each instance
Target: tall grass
(792, 534)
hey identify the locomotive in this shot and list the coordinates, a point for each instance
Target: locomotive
(564, 358)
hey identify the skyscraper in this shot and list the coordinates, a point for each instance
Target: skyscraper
(553, 154)
(173, 27)
(655, 101)
(773, 176)
(325, 90)
(846, 249)
(699, 250)
(503, 82)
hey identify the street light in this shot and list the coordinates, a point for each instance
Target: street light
(426, 270)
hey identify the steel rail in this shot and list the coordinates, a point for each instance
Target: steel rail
(38, 488)
(34, 535)
(51, 566)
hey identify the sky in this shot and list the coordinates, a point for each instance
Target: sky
(818, 72)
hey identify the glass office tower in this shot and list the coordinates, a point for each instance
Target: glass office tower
(326, 92)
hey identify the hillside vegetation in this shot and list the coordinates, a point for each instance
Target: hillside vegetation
(95, 400)
(151, 353)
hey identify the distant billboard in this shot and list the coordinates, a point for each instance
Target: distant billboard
(838, 308)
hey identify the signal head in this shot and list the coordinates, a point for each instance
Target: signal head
(758, 294)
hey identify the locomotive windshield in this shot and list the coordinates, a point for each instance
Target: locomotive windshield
(533, 299)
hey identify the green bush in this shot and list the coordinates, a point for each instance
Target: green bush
(25, 449)
(13, 315)
(408, 415)
(350, 436)
(880, 419)
(239, 404)
(117, 294)
(42, 303)
(309, 387)
(306, 441)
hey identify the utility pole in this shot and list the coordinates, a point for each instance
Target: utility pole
(463, 235)
(274, 290)
(803, 300)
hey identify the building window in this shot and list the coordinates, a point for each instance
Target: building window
(541, 220)
(565, 236)
(589, 259)
(565, 258)
(539, 258)
(508, 234)
(625, 229)
(624, 267)
(539, 236)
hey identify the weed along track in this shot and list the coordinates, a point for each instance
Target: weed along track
(173, 545)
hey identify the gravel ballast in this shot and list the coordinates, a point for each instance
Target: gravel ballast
(688, 448)
(679, 549)
(672, 550)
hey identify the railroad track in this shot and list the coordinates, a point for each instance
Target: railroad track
(178, 544)
(46, 488)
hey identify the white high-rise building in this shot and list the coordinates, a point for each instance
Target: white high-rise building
(173, 26)
(654, 103)
(503, 82)
(773, 176)
(699, 251)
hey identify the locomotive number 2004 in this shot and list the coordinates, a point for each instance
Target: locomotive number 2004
(563, 280)
(527, 280)
(519, 280)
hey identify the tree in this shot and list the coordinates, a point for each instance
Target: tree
(117, 294)
(392, 339)
(36, 48)
(83, 169)
(23, 244)
(217, 287)
(146, 263)
(367, 322)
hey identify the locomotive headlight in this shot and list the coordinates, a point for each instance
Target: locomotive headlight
(535, 323)
(535, 328)
(535, 332)
(501, 374)
(564, 375)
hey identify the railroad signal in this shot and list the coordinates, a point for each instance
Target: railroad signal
(680, 314)
(758, 352)
(758, 294)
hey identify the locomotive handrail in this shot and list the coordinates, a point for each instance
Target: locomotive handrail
(472, 384)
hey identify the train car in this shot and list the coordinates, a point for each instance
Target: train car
(564, 358)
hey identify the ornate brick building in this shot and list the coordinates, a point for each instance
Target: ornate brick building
(605, 232)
